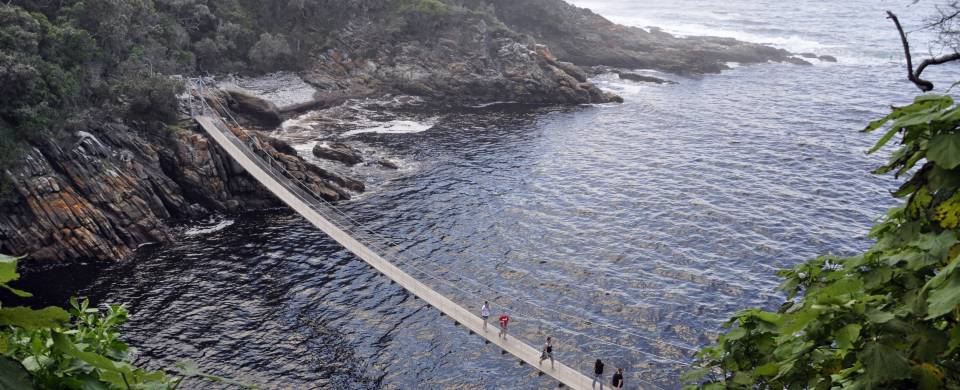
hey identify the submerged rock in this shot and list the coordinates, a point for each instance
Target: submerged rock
(643, 78)
(828, 58)
(338, 151)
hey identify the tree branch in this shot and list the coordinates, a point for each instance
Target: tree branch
(924, 85)
(936, 61)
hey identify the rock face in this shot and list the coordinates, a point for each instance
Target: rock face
(115, 189)
(257, 111)
(338, 151)
(461, 58)
(587, 39)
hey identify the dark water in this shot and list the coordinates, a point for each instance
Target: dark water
(660, 216)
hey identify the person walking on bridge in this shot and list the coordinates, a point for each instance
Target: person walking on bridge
(547, 351)
(485, 314)
(504, 321)
(617, 381)
(597, 374)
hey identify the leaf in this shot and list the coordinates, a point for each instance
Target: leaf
(735, 334)
(879, 317)
(948, 212)
(945, 298)
(938, 245)
(29, 319)
(17, 292)
(944, 150)
(8, 268)
(943, 274)
(743, 378)
(694, 376)
(13, 376)
(883, 363)
(928, 376)
(769, 369)
(847, 335)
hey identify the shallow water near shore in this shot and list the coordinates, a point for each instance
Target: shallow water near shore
(662, 215)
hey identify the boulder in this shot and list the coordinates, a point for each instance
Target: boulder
(797, 61)
(387, 164)
(338, 151)
(826, 58)
(643, 78)
(257, 110)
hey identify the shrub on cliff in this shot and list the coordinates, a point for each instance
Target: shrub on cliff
(272, 51)
(53, 348)
(889, 318)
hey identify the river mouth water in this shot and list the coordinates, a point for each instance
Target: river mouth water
(661, 216)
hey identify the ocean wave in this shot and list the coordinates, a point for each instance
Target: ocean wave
(399, 126)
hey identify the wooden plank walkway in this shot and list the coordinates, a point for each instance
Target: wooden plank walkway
(286, 191)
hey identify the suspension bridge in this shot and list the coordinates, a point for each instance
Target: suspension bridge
(367, 245)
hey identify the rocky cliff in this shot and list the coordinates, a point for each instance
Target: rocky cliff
(582, 37)
(113, 189)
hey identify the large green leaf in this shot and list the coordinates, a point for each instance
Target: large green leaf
(13, 376)
(944, 150)
(30, 319)
(8, 268)
(883, 363)
(847, 335)
(945, 298)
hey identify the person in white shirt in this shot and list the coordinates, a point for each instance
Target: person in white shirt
(485, 313)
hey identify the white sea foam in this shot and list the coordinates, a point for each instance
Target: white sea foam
(483, 105)
(392, 127)
(207, 229)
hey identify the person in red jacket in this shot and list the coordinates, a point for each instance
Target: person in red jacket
(504, 321)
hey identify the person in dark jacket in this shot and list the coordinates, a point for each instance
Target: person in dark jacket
(617, 381)
(597, 374)
(547, 351)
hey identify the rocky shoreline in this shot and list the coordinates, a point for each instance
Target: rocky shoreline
(118, 186)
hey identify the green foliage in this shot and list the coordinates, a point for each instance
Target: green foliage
(271, 52)
(889, 318)
(80, 349)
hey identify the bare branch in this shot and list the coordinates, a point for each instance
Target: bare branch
(924, 85)
(936, 61)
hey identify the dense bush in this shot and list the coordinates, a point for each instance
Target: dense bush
(889, 318)
(272, 51)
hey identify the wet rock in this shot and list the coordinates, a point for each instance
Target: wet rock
(643, 78)
(387, 164)
(112, 190)
(256, 109)
(807, 55)
(797, 61)
(338, 151)
(828, 58)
